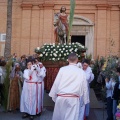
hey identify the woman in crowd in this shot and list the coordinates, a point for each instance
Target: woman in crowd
(23, 63)
(15, 88)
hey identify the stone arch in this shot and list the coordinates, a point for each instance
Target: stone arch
(85, 20)
(84, 26)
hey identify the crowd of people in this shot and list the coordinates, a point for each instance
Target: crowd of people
(26, 89)
(70, 90)
(113, 95)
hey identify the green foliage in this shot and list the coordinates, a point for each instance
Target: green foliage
(110, 70)
(97, 67)
(59, 52)
(89, 57)
(72, 9)
(6, 84)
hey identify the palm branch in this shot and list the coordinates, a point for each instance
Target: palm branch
(72, 9)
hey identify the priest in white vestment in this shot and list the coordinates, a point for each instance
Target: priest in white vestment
(29, 98)
(68, 86)
(89, 77)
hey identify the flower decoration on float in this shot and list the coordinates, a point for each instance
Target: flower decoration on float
(59, 52)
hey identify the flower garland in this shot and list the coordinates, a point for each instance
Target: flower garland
(59, 52)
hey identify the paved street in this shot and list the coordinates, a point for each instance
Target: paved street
(96, 112)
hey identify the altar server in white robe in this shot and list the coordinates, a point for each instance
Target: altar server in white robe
(41, 79)
(40, 85)
(89, 77)
(68, 86)
(29, 97)
(82, 105)
(43, 69)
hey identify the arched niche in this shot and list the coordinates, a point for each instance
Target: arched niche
(84, 27)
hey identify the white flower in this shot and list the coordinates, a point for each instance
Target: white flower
(46, 54)
(69, 43)
(47, 46)
(57, 46)
(58, 58)
(63, 48)
(38, 48)
(61, 51)
(53, 58)
(60, 55)
(43, 52)
(76, 50)
(66, 46)
(55, 54)
(41, 55)
(53, 49)
(51, 46)
(73, 43)
(56, 51)
(48, 49)
(67, 53)
(64, 54)
(50, 54)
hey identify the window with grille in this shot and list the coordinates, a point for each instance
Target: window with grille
(2, 37)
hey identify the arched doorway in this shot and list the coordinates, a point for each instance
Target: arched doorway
(83, 32)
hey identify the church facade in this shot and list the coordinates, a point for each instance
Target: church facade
(96, 25)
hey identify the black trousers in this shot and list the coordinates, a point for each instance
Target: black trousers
(109, 108)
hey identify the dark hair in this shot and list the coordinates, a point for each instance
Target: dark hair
(118, 69)
(29, 61)
(37, 59)
(61, 9)
(72, 57)
(23, 56)
(86, 61)
(2, 63)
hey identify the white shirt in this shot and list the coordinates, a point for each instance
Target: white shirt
(109, 89)
(89, 74)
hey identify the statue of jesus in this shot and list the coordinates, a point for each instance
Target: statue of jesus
(64, 17)
(61, 24)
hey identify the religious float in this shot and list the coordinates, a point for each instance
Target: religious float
(53, 56)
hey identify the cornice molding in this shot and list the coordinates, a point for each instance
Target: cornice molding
(26, 6)
(103, 6)
(46, 5)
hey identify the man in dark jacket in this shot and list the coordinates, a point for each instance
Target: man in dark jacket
(116, 94)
